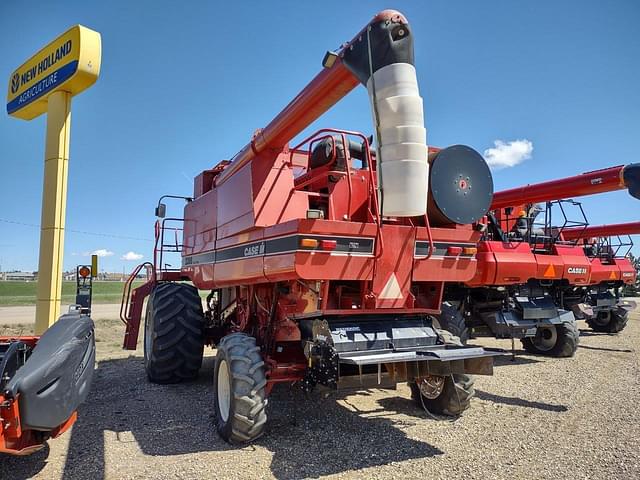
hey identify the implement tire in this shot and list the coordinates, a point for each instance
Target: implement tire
(451, 320)
(456, 393)
(240, 397)
(610, 322)
(566, 337)
(173, 334)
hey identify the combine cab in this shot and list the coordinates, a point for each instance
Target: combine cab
(323, 264)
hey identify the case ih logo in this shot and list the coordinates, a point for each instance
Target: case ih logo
(627, 274)
(254, 250)
(577, 270)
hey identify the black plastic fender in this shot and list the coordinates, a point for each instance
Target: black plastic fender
(57, 377)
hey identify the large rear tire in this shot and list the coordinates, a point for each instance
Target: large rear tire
(240, 397)
(608, 322)
(451, 320)
(456, 389)
(555, 341)
(174, 333)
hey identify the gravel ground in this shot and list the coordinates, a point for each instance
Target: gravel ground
(535, 418)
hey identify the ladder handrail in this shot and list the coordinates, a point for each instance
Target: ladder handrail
(126, 292)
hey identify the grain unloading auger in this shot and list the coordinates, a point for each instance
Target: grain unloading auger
(323, 262)
(530, 278)
(590, 183)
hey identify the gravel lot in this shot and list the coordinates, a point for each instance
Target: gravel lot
(536, 418)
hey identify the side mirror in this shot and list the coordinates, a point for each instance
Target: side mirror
(161, 210)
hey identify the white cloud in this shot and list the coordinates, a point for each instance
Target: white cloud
(508, 154)
(131, 256)
(101, 252)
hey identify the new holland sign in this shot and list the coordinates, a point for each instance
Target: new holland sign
(46, 83)
(70, 63)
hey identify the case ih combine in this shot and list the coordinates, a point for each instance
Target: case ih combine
(532, 276)
(600, 303)
(325, 261)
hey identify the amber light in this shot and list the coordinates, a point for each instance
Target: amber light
(309, 243)
(469, 250)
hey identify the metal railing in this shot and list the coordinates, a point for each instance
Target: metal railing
(373, 207)
(125, 305)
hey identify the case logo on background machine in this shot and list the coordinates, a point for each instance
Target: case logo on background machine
(577, 270)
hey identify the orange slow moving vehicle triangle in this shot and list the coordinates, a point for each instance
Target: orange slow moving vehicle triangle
(550, 271)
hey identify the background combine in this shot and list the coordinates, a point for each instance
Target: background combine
(533, 277)
(323, 262)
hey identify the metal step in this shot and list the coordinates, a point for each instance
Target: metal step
(442, 353)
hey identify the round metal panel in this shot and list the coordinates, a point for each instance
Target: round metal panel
(461, 184)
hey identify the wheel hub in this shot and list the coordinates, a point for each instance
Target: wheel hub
(223, 390)
(431, 386)
(603, 318)
(546, 338)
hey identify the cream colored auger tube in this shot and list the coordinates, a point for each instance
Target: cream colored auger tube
(402, 151)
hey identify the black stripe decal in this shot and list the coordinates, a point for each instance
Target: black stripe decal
(440, 249)
(275, 246)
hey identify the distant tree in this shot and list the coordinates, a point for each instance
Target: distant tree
(633, 290)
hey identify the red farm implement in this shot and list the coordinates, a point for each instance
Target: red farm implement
(534, 276)
(325, 261)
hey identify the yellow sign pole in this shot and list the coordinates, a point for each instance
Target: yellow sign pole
(45, 83)
(56, 160)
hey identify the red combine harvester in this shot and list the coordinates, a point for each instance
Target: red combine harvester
(601, 303)
(44, 379)
(323, 262)
(530, 278)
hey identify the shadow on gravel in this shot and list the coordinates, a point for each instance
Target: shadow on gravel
(303, 434)
(604, 349)
(519, 402)
(591, 333)
(304, 443)
(507, 360)
(22, 468)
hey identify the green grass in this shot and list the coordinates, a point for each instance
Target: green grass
(24, 293)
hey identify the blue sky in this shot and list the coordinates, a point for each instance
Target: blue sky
(184, 84)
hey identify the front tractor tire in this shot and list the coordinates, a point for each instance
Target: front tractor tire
(449, 395)
(608, 322)
(240, 397)
(555, 340)
(173, 333)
